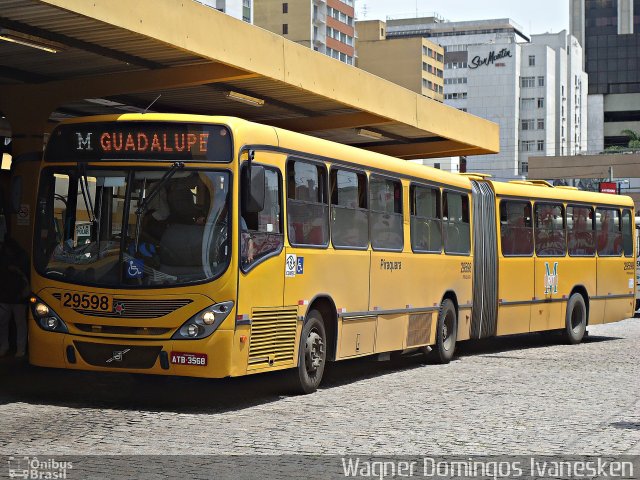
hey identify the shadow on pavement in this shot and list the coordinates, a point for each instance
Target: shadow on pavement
(20, 382)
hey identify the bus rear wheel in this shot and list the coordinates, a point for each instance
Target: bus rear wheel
(576, 319)
(447, 332)
(312, 355)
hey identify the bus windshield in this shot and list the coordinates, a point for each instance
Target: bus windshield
(92, 231)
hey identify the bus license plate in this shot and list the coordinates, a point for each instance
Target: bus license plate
(193, 359)
(96, 302)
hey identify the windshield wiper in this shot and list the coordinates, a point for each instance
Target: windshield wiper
(86, 195)
(156, 188)
(144, 204)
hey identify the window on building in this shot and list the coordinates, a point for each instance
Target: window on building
(550, 238)
(532, 60)
(350, 216)
(455, 218)
(541, 124)
(540, 102)
(516, 228)
(386, 213)
(285, 8)
(307, 206)
(285, 29)
(581, 238)
(527, 103)
(541, 81)
(426, 219)
(527, 124)
(524, 168)
(436, 165)
(527, 145)
(540, 145)
(527, 82)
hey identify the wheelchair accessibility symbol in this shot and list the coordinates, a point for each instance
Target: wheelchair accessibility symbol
(134, 268)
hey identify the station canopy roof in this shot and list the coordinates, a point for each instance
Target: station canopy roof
(103, 56)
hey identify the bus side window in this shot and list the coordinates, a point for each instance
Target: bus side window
(349, 214)
(516, 228)
(261, 232)
(307, 205)
(550, 236)
(426, 219)
(386, 213)
(581, 239)
(456, 223)
(627, 233)
(609, 236)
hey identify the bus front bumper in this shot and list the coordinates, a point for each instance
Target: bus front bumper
(208, 357)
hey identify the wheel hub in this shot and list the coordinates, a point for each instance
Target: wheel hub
(314, 351)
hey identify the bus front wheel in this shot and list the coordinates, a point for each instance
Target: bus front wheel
(576, 319)
(447, 332)
(312, 355)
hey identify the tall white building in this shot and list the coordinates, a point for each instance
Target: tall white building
(240, 9)
(535, 89)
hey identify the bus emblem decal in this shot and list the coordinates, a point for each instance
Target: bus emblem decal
(551, 278)
(290, 265)
(119, 308)
(118, 355)
(84, 143)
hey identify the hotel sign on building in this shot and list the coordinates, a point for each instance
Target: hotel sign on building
(490, 59)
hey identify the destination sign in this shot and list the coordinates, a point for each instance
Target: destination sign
(139, 141)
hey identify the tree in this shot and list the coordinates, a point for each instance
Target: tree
(634, 138)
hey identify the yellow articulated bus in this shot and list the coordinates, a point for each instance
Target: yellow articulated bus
(215, 247)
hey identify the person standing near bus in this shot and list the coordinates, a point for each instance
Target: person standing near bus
(14, 291)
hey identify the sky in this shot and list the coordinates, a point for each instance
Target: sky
(538, 16)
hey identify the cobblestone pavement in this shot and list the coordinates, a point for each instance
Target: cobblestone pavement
(519, 395)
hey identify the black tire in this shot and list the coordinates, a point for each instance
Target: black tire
(312, 355)
(447, 332)
(576, 319)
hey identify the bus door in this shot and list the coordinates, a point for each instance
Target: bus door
(550, 246)
(335, 266)
(516, 267)
(271, 329)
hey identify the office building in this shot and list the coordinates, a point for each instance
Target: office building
(413, 62)
(609, 32)
(534, 88)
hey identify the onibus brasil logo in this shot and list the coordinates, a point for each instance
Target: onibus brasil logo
(550, 278)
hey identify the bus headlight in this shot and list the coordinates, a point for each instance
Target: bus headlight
(204, 323)
(45, 317)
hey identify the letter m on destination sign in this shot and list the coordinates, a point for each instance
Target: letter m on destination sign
(84, 143)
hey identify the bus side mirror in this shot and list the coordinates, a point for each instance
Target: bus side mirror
(253, 201)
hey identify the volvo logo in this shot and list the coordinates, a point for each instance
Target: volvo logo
(118, 355)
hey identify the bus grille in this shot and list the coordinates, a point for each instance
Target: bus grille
(136, 308)
(273, 337)
(419, 329)
(118, 356)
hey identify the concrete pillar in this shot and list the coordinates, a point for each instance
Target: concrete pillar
(28, 117)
